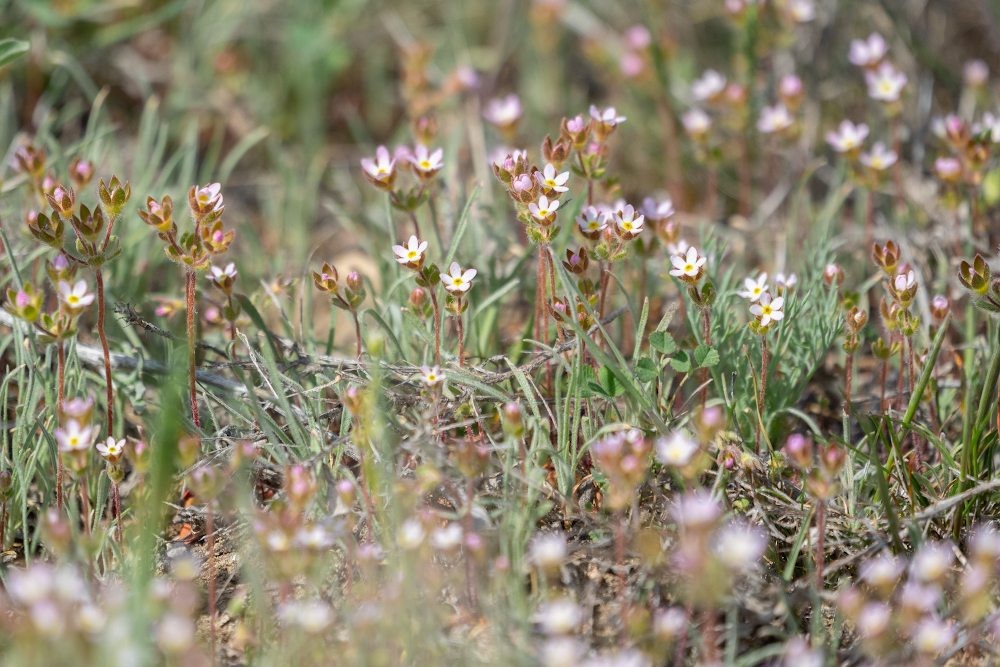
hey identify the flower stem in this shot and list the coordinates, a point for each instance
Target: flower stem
(848, 376)
(885, 375)
(191, 350)
(85, 500)
(461, 338)
(357, 331)
(703, 374)
(99, 274)
(763, 386)
(116, 510)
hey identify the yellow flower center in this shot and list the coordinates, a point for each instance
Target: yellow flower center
(431, 377)
(627, 226)
(593, 225)
(542, 212)
(424, 164)
(756, 290)
(412, 254)
(767, 310)
(458, 281)
(689, 267)
(885, 87)
(550, 183)
(73, 299)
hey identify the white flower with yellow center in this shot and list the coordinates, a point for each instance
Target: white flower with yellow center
(592, 221)
(544, 210)
(628, 222)
(696, 122)
(754, 288)
(676, 449)
(709, 86)
(886, 83)
(554, 181)
(425, 161)
(75, 437)
(412, 252)
(688, 265)
(431, 376)
(879, 158)
(774, 119)
(382, 167)
(848, 136)
(768, 309)
(457, 280)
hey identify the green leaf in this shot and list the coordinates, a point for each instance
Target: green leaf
(587, 381)
(662, 342)
(681, 362)
(594, 389)
(11, 49)
(706, 356)
(645, 369)
(609, 383)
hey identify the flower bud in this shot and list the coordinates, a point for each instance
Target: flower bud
(30, 160)
(575, 131)
(833, 275)
(355, 292)
(577, 262)
(81, 172)
(886, 257)
(62, 201)
(425, 129)
(513, 420)
(939, 308)
(159, 214)
(975, 277)
(326, 280)
(556, 153)
(114, 196)
(798, 449)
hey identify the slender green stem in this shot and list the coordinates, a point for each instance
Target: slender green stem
(192, 359)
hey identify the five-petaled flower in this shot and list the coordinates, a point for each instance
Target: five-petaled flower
(504, 112)
(552, 181)
(879, 158)
(592, 222)
(696, 123)
(427, 164)
(689, 266)
(657, 211)
(412, 254)
(111, 450)
(868, 53)
(75, 437)
(768, 310)
(544, 211)
(380, 172)
(676, 449)
(848, 137)
(605, 121)
(709, 87)
(209, 198)
(431, 376)
(223, 278)
(75, 297)
(886, 83)
(457, 280)
(774, 119)
(629, 225)
(754, 288)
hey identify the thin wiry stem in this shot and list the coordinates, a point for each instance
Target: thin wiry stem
(62, 397)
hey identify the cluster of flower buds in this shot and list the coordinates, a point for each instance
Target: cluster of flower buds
(822, 473)
(623, 457)
(855, 324)
(978, 279)
(350, 297)
(60, 325)
(193, 249)
(709, 553)
(902, 286)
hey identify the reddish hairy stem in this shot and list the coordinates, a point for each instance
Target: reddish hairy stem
(357, 331)
(99, 274)
(192, 361)
(461, 338)
(763, 386)
(885, 375)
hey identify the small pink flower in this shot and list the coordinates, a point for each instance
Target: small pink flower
(412, 252)
(848, 137)
(504, 111)
(774, 119)
(74, 437)
(382, 168)
(868, 53)
(709, 87)
(886, 83)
